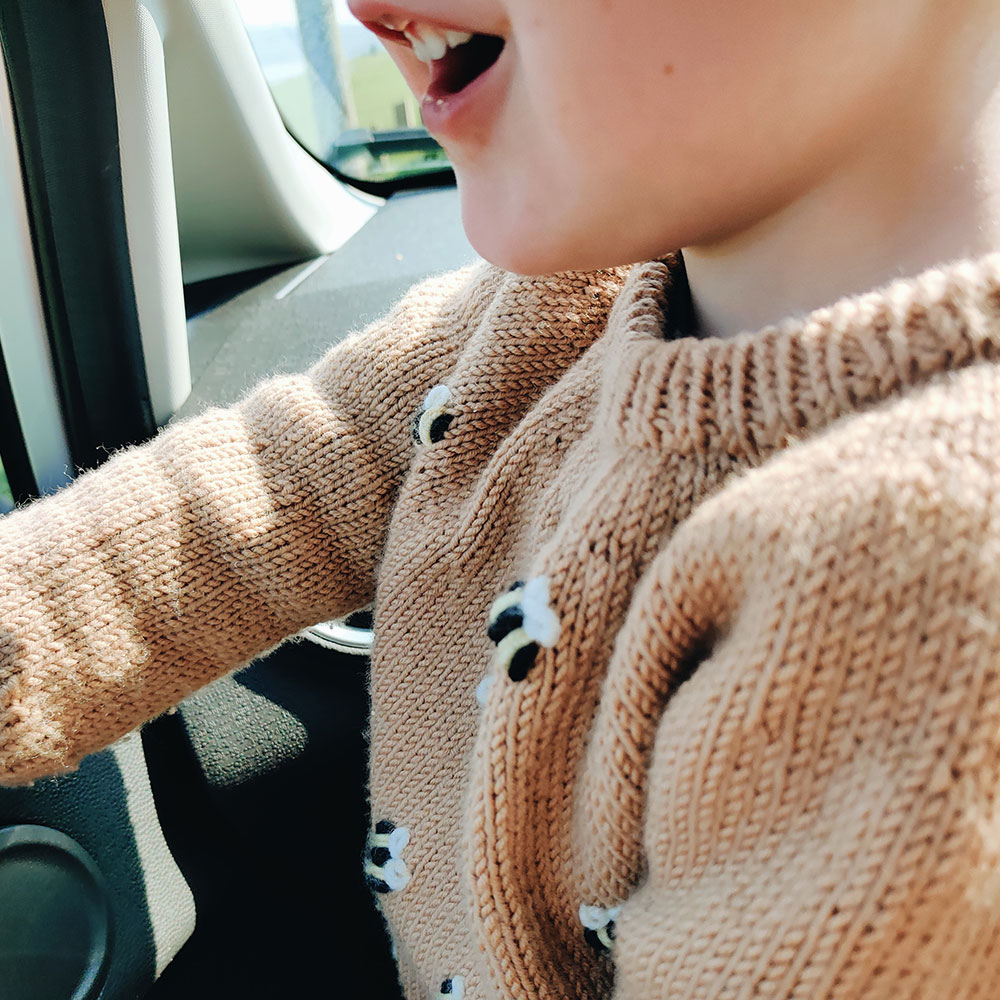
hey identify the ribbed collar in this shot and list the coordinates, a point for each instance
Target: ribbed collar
(756, 392)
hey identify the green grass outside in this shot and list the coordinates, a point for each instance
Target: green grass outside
(378, 91)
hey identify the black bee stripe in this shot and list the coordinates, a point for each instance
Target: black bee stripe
(522, 661)
(380, 856)
(440, 427)
(506, 622)
(377, 885)
(384, 827)
(595, 942)
(446, 987)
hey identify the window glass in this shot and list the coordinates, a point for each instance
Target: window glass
(6, 499)
(338, 91)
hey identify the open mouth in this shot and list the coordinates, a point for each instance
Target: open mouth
(461, 65)
(455, 58)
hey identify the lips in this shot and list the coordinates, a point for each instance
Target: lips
(461, 73)
(456, 57)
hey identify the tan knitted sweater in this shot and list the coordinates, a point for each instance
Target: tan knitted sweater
(744, 723)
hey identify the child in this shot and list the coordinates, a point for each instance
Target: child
(730, 601)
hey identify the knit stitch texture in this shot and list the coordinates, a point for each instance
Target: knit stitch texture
(762, 750)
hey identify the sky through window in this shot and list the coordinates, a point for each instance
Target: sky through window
(260, 13)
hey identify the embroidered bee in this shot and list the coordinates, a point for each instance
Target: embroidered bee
(431, 423)
(385, 869)
(599, 927)
(452, 989)
(484, 688)
(521, 622)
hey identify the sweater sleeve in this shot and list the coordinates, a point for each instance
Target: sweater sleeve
(811, 757)
(181, 560)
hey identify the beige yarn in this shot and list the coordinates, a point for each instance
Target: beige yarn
(770, 726)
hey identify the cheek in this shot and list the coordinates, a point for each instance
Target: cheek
(623, 141)
(570, 179)
(606, 108)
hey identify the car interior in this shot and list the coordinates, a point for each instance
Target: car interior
(170, 233)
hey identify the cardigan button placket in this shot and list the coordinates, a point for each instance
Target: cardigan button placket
(432, 422)
(599, 927)
(385, 869)
(521, 622)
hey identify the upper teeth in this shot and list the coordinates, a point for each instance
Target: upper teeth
(432, 43)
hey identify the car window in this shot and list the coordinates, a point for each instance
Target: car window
(6, 498)
(338, 91)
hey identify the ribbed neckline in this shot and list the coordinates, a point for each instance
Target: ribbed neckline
(756, 392)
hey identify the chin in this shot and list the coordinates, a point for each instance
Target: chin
(539, 236)
(506, 243)
(524, 260)
(507, 229)
(520, 249)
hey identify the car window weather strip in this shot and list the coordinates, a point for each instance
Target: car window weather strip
(59, 67)
(13, 448)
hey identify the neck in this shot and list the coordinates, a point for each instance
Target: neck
(921, 187)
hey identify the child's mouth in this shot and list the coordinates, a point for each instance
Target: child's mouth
(455, 58)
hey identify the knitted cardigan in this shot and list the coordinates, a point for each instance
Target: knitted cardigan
(731, 607)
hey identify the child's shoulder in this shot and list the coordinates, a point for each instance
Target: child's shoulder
(903, 495)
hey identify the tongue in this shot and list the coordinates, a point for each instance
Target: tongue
(461, 65)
